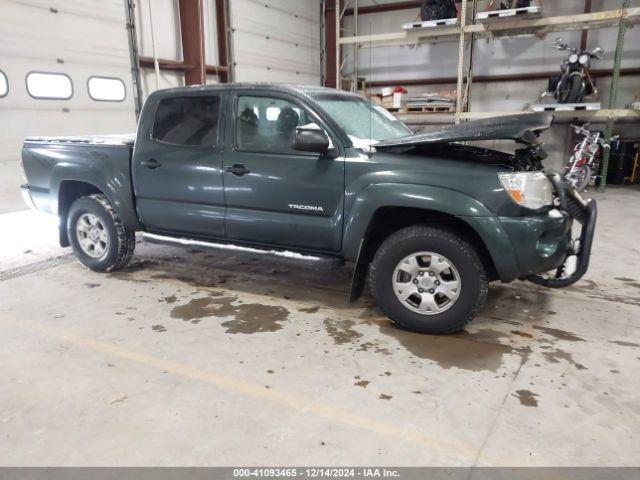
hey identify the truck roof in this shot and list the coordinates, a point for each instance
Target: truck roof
(306, 90)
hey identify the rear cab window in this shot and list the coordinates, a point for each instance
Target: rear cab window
(188, 121)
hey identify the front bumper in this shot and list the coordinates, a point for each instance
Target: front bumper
(584, 212)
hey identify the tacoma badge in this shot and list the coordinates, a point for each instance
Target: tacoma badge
(313, 208)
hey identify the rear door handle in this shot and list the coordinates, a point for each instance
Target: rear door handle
(152, 163)
(238, 170)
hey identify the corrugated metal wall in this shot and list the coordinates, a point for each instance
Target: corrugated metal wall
(80, 38)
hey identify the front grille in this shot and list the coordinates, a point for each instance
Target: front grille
(576, 210)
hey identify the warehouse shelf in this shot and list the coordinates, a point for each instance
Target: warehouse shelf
(464, 32)
(591, 115)
(502, 28)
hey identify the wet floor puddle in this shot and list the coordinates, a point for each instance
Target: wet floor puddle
(246, 317)
(482, 350)
(526, 397)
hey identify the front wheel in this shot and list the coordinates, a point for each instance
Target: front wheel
(428, 279)
(571, 90)
(98, 239)
(580, 177)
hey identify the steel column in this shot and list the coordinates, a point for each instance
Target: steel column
(134, 55)
(463, 23)
(192, 34)
(338, 33)
(221, 30)
(330, 43)
(613, 94)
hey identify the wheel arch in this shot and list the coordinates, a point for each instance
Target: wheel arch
(69, 191)
(416, 204)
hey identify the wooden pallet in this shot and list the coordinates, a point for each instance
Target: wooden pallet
(446, 22)
(509, 13)
(430, 109)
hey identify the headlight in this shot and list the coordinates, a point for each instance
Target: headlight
(528, 189)
(573, 58)
(584, 59)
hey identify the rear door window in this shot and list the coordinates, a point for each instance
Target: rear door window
(189, 121)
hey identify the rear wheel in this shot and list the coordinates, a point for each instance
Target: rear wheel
(428, 279)
(98, 239)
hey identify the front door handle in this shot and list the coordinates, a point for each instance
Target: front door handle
(238, 170)
(152, 163)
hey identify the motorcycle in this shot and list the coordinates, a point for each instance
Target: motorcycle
(509, 4)
(575, 82)
(585, 161)
(438, 10)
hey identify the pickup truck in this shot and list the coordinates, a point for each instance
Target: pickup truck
(432, 218)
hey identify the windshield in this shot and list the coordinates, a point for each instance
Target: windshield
(361, 119)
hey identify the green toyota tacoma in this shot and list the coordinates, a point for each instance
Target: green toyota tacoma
(430, 218)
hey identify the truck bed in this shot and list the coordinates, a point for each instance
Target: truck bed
(55, 166)
(115, 140)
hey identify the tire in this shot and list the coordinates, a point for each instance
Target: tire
(437, 10)
(447, 318)
(113, 245)
(572, 91)
(581, 177)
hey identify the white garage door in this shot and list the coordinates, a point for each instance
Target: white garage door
(276, 41)
(67, 68)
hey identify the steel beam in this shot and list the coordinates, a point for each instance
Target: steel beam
(178, 66)
(609, 18)
(385, 7)
(516, 77)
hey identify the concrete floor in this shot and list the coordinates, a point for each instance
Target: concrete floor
(198, 356)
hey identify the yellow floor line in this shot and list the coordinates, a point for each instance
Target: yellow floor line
(327, 412)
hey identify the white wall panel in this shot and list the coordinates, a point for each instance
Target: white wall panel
(80, 38)
(276, 40)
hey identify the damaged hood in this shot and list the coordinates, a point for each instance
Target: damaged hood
(523, 128)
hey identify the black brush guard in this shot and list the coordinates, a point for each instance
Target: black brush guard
(584, 212)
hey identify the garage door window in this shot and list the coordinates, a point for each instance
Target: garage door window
(106, 89)
(53, 86)
(190, 121)
(4, 84)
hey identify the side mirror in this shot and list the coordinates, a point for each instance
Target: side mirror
(311, 138)
(558, 41)
(597, 52)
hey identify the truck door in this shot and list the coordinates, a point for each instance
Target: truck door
(177, 164)
(276, 195)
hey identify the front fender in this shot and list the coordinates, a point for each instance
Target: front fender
(437, 199)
